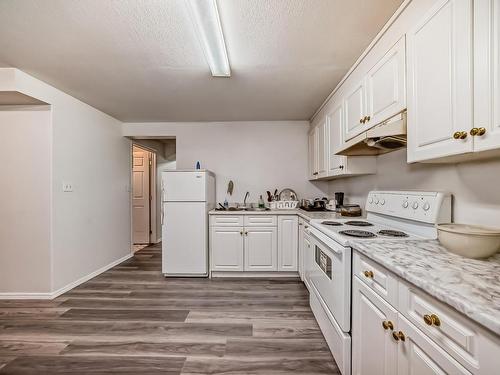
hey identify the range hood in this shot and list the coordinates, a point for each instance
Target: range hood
(388, 136)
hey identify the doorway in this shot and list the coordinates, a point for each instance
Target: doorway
(143, 186)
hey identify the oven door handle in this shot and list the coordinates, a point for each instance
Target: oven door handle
(323, 239)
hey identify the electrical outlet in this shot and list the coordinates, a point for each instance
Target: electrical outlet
(67, 187)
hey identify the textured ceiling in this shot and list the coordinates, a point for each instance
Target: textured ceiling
(139, 60)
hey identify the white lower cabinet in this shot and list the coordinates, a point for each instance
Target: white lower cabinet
(373, 349)
(226, 244)
(260, 249)
(264, 243)
(288, 238)
(414, 333)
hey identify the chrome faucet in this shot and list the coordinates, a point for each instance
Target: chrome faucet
(245, 199)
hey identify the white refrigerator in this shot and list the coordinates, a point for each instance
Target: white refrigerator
(187, 196)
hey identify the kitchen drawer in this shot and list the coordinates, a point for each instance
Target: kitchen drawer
(451, 330)
(226, 220)
(261, 220)
(378, 278)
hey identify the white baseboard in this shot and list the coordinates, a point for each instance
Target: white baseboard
(65, 288)
(256, 274)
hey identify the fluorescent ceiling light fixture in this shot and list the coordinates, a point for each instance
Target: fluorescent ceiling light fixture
(205, 17)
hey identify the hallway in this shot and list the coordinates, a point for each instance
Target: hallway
(133, 320)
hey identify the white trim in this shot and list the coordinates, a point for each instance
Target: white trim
(65, 288)
(381, 33)
(259, 274)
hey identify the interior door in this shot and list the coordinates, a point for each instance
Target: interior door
(487, 74)
(440, 82)
(354, 105)
(140, 195)
(374, 350)
(260, 249)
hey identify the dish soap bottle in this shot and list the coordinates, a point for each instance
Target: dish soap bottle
(261, 202)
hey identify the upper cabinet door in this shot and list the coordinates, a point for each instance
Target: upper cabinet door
(321, 150)
(335, 121)
(386, 88)
(440, 82)
(354, 107)
(312, 155)
(486, 75)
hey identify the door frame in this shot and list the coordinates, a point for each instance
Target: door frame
(153, 236)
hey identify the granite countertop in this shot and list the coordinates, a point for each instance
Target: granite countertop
(471, 286)
(307, 215)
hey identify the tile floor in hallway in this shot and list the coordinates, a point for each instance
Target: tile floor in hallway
(131, 319)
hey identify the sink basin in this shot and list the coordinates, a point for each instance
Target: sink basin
(256, 209)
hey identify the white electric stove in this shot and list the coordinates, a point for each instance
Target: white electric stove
(391, 215)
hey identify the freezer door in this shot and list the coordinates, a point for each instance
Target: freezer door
(185, 239)
(185, 186)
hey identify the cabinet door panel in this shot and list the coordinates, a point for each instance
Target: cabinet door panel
(336, 163)
(287, 243)
(373, 348)
(440, 82)
(226, 245)
(487, 73)
(312, 155)
(354, 109)
(261, 249)
(418, 354)
(321, 150)
(386, 88)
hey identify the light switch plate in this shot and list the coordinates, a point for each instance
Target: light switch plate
(67, 187)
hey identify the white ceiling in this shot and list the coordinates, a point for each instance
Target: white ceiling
(139, 60)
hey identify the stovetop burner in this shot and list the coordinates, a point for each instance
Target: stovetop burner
(332, 223)
(392, 233)
(357, 223)
(358, 233)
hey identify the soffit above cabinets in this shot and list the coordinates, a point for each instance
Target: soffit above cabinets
(139, 60)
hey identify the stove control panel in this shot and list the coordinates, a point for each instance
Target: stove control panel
(424, 206)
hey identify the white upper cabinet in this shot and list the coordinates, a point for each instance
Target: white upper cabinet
(321, 149)
(385, 85)
(440, 82)
(336, 163)
(311, 157)
(486, 75)
(354, 107)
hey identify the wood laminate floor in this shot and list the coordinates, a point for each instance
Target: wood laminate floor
(131, 319)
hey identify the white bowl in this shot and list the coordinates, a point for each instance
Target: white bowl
(470, 241)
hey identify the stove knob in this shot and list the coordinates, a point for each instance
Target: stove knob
(405, 204)
(376, 200)
(415, 205)
(382, 201)
(426, 206)
(370, 200)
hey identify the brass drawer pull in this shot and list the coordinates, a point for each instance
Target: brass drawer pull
(477, 131)
(399, 336)
(387, 324)
(432, 320)
(460, 135)
(368, 274)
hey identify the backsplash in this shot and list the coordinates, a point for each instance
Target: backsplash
(474, 185)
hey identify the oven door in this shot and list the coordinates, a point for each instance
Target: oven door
(331, 276)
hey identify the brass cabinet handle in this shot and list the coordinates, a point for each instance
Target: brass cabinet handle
(368, 274)
(387, 324)
(315, 173)
(246, 233)
(399, 336)
(432, 320)
(241, 233)
(460, 135)
(368, 118)
(477, 131)
(362, 120)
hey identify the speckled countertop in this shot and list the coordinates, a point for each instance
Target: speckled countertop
(470, 286)
(307, 215)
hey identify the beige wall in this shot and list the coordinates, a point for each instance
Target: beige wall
(25, 188)
(257, 156)
(474, 185)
